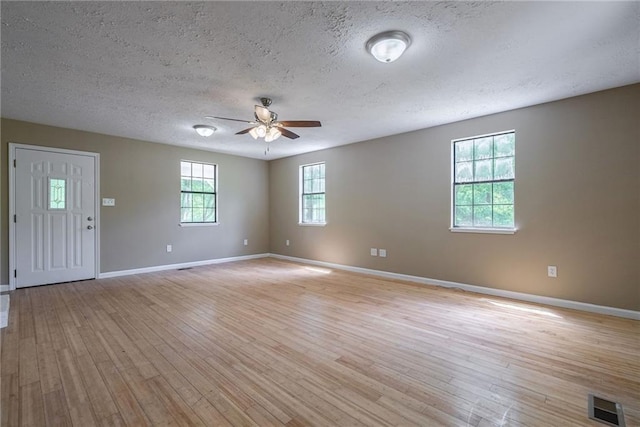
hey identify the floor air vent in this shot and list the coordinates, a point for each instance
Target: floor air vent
(184, 268)
(605, 411)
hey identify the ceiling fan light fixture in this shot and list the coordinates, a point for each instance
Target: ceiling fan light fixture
(272, 134)
(261, 131)
(263, 114)
(253, 133)
(388, 46)
(204, 130)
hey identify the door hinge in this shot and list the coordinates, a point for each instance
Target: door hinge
(14, 163)
(15, 218)
(15, 273)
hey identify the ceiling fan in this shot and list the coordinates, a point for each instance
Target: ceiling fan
(267, 126)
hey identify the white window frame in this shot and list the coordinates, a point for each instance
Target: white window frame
(470, 229)
(217, 211)
(301, 194)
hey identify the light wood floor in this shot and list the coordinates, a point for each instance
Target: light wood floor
(268, 342)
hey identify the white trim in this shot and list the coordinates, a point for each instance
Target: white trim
(4, 288)
(482, 136)
(198, 224)
(12, 209)
(483, 230)
(312, 224)
(4, 311)
(557, 302)
(177, 266)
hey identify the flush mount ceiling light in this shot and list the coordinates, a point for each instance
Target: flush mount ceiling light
(388, 46)
(204, 130)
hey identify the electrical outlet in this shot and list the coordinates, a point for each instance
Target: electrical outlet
(382, 253)
(287, 242)
(108, 202)
(552, 271)
(374, 252)
(169, 248)
(246, 242)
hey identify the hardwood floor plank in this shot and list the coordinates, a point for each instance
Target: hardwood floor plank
(78, 402)
(267, 342)
(31, 405)
(55, 409)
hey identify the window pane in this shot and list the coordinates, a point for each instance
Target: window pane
(57, 193)
(196, 170)
(464, 194)
(209, 171)
(185, 168)
(482, 216)
(209, 201)
(505, 145)
(504, 168)
(463, 216)
(209, 186)
(198, 215)
(209, 215)
(306, 172)
(322, 171)
(464, 172)
(308, 215)
(464, 151)
(185, 215)
(198, 200)
(482, 194)
(185, 200)
(185, 184)
(503, 193)
(196, 184)
(307, 186)
(483, 170)
(483, 148)
(503, 216)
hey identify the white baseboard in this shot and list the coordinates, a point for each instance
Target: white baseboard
(4, 288)
(176, 266)
(4, 311)
(557, 302)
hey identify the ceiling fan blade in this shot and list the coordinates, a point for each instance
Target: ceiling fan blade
(226, 118)
(263, 114)
(288, 133)
(242, 132)
(300, 123)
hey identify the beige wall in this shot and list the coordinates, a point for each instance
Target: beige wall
(143, 178)
(577, 203)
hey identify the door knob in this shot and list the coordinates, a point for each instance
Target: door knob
(89, 219)
(89, 227)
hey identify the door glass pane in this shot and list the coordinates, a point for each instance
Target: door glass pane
(57, 193)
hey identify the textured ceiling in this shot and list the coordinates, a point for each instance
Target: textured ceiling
(152, 70)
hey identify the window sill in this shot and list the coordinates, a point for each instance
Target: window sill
(312, 224)
(483, 230)
(198, 224)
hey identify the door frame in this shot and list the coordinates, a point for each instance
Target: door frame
(12, 202)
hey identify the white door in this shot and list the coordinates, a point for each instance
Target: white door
(55, 217)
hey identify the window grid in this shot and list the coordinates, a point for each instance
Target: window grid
(198, 192)
(312, 197)
(491, 201)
